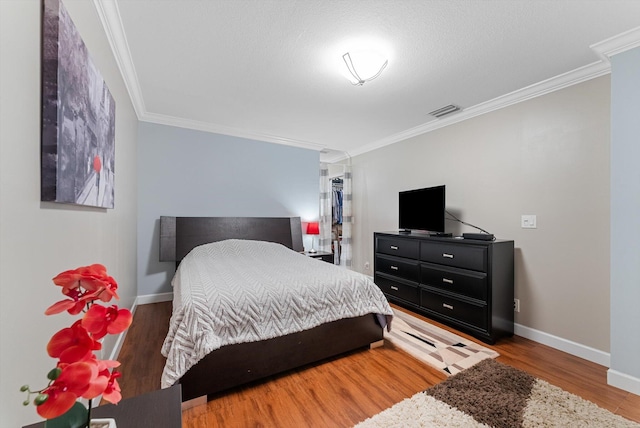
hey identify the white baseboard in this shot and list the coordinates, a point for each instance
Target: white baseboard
(153, 298)
(115, 352)
(573, 348)
(623, 381)
(614, 377)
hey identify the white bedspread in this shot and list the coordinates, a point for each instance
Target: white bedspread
(238, 291)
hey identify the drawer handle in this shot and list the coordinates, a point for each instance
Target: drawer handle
(447, 306)
(394, 288)
(447, 280)
(393, 247)
(394, 267)
(447, 256)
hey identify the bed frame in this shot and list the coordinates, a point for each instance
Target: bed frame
(235, 365)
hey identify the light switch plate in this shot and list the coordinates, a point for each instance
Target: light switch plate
(529, 221)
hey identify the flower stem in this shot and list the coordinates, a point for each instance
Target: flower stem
(89, 413)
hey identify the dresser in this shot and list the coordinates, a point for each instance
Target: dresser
(466, 284)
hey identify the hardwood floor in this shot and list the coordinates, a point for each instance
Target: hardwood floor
(344, 391)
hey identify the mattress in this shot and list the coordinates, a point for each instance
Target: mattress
(238, 291)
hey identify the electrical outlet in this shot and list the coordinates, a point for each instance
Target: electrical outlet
(366, 265)
(516, 305)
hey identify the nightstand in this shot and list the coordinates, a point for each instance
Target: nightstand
(322, 255)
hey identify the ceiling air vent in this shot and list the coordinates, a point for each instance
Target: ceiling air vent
(443, 111)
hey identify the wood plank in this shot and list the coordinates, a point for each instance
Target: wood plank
(344, 391)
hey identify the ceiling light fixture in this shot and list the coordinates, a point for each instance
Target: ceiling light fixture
(369, 68)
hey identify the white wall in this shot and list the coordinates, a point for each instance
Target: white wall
(548, 156)
(625, 228)
(193, 173)
(39, 240)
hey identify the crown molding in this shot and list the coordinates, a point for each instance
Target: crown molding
(553, 84)
(618, 44)
(605, 50)
(112, 23)
(335, 158)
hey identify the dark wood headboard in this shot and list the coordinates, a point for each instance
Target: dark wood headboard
(179, 235)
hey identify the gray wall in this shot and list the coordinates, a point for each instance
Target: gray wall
(39, 240)
(625, 228)
(192, 173)
(547, 156)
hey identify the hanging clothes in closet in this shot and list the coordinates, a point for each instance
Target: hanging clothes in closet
(336, 223)
(336, 185)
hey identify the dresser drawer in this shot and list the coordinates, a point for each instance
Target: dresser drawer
(402, 268)
(398, 247)
(400, 289)
(459, 310)
(469, 283)
(465, 256)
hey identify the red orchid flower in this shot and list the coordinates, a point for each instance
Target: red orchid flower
(88, 277)
(98, 383)
(83, 285)
(64, 391)
(109, 290)
(100, 320)
(112, 391)
(79, 374)
(101, 375)
(72, 344)
(74, 307)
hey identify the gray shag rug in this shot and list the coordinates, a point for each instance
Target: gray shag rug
(492, 394)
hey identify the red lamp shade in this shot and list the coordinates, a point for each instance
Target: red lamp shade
(313, 228)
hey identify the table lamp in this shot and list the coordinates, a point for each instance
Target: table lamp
(313, 228)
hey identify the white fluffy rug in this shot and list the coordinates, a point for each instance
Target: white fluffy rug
(491, 394)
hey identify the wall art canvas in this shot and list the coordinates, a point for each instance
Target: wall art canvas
(78, 118)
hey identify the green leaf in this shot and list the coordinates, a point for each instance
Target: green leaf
(76, 417)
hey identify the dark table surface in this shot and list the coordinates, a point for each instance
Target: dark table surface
(161, 408)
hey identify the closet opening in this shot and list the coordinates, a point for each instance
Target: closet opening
(336, 217)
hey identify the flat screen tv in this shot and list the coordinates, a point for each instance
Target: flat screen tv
(422, 209)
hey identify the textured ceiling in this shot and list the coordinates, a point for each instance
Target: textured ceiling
(272, 70)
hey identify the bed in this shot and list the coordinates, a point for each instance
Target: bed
(206, 362)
